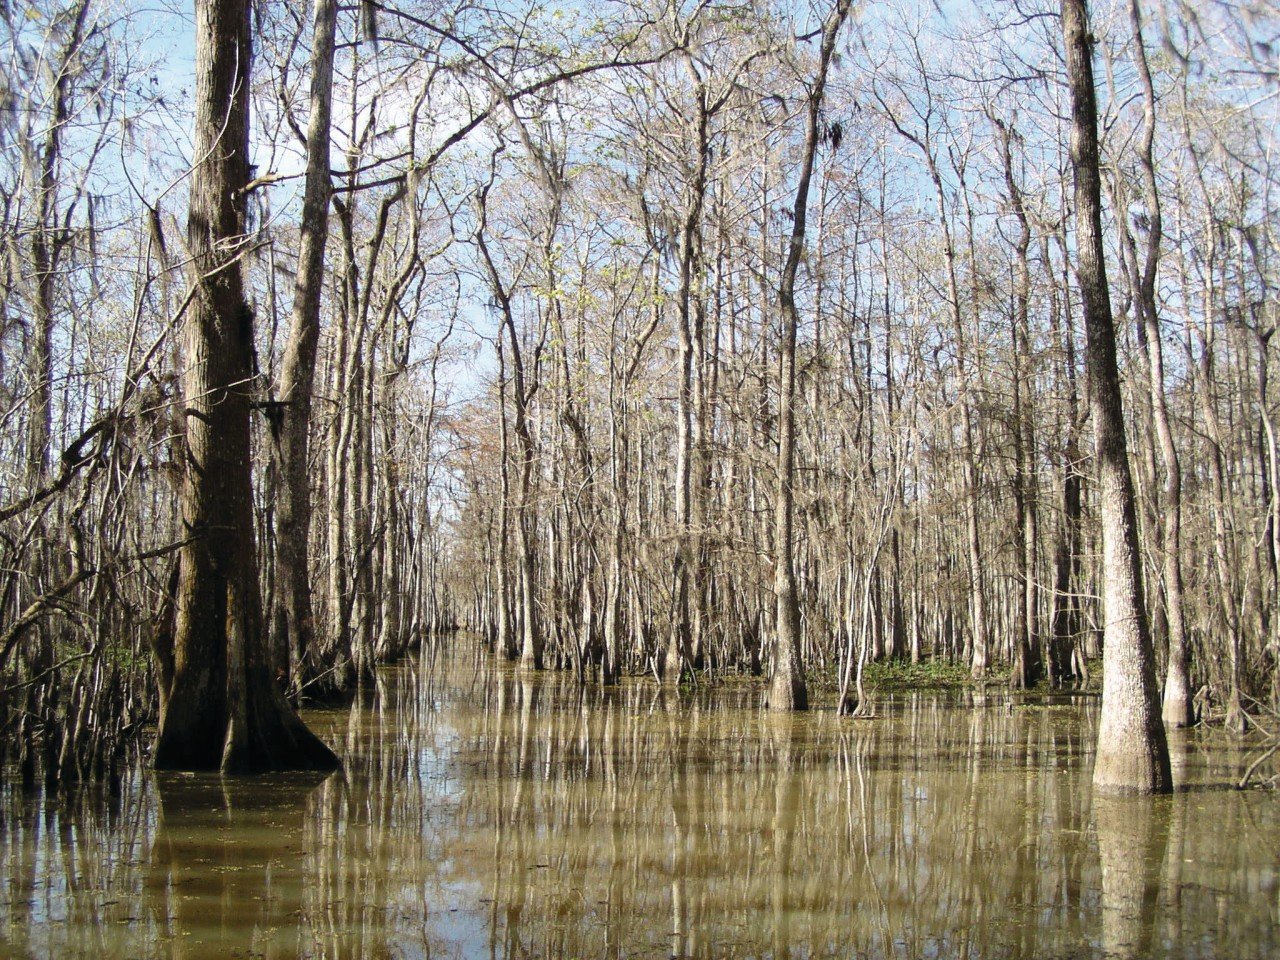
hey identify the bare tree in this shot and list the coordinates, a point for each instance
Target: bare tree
(220, 707)
(1132, 753)
(294, 614)
(787, 689)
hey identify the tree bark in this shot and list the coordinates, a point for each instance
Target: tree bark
(1026, 659)
(223, 708)
(1176, 705)
(787, 690)
(1132, 754)
(295, 616)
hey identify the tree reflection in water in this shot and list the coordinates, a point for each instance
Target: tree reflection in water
(1133, 836)
(223, 863)
(485, 813)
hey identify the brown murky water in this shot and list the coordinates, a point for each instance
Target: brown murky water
(485, 815)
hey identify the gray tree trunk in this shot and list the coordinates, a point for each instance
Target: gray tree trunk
(1132, 754)
(294, 614)
(787, 690)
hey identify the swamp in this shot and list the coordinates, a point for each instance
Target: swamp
(640, 478)
(482, 813)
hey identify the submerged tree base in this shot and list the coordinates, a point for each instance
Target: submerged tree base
(787, 693)
(1133, 771)
(271, 739)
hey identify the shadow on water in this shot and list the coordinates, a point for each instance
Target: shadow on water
(486, 813)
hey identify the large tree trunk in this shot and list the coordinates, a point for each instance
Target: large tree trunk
(787, 690)
(1132, 754)
(223, 708)
(295, 617)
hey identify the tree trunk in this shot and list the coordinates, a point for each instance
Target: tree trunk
(1176, 706)
(530, 630)
(223, 708)
(1132, 754)
(1065, 654)
(787, 690)
(1026, 659)
(508, 644)
(294, 614)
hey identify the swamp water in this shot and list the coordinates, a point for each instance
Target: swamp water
(482, 814)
